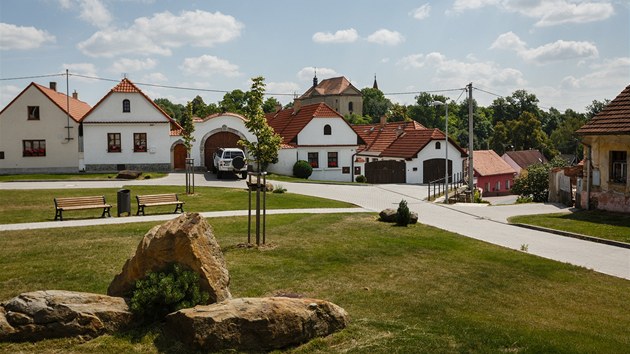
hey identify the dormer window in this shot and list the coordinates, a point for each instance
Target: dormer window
(438, 145)
(126, 106)
(327, 129)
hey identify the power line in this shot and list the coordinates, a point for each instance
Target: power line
(419, 92)
(31, 77)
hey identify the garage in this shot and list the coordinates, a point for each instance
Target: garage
(433, 170)
(386, 171)
(217, 140)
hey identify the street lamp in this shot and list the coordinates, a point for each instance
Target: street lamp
(445, 104)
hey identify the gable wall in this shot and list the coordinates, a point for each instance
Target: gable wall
(110, 109)
(313, 133)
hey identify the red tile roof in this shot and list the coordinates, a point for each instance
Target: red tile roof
(289, 123)
(398, 139)
(332, 86)
(77, 110)
(614, 119)
(526, 158)
(488, 163)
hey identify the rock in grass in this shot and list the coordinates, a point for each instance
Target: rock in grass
(389, 215)
(187, 240)
(255, 324)
(47, 314)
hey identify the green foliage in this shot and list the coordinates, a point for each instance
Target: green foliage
(265, 149)
(166, 291)
(302, 169)
(534, 182)
(360, 179)
(175, 111)
(403, 215)
(234, 102)
(188, 126)
(271, 105)
(375, 104)
(356, 119)
(279, 189)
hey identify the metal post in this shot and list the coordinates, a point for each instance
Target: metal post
(249, 213)
(446, 152)
(258, 209)
(470, 139)
(264, 207)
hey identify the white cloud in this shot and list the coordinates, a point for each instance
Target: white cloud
(22, 38)
(341, 36)
(421, 12)
(208, 65)
(155, 77)
(282, 87)
(125, 65)
(307, 73)
(83, 69)
(7, 94)
(387, 37)
(547, 12)
(612, 73)
(163, 32)
(453, 73)
(551, 52)
(94, 12)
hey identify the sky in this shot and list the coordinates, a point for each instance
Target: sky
(566, 52)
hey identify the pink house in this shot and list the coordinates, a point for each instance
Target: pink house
(494, 175)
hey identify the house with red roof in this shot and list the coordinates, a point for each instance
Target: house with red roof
(522, 159)
(337, 92)
(494, 175)
(127, 130)
(606, 138)
(406, 152)
(318, 134)
(40, 131)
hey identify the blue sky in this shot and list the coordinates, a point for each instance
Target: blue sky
(568, 53)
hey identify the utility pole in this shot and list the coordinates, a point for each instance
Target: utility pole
(470, 139)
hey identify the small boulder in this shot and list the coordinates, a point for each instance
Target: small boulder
(128, 174)
(47, 314)
(255, 324)
(414, 218)
(187, 240)
(388, 215)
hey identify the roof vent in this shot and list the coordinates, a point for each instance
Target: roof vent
(53, 86)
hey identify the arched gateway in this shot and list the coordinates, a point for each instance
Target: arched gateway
(218, 140)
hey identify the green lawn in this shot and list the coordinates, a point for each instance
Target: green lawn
(597, 223)
(407, 290)
(37, 205)
(72, 176)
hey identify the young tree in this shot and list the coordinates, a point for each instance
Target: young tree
(188, 127)
(265, 150)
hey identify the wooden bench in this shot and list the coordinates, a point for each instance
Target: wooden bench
(157, 200)
(77, 203)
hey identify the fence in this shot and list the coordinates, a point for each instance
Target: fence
(438, 187)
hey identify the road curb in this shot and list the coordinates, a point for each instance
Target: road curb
(574, 235)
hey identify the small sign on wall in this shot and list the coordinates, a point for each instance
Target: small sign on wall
(345, 170)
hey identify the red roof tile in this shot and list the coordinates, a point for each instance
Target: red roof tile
(77, 110)
(332, 86)
(526, 158)
(488, 163)
(289, 123)
(614, 119)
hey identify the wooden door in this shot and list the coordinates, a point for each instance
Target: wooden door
(179, 157)
(218, 140)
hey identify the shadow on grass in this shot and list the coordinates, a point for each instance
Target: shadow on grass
(599, 217)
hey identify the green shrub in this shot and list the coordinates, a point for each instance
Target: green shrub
(166, 291)
(302, 169)
(279, 189)
(360, 179)
(403, 215)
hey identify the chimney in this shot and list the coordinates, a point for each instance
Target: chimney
(278, 107)
(53, 86)
(383, 120)
(75, 95)
(297, 104)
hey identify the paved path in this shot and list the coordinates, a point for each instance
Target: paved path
(485, 223)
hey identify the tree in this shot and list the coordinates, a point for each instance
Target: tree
(398, 113)
(534, 182)
(188, 127)
(563, 137)
(271, 105)
(200, 109)
(265, 149)
(235, 102)
(375, 105)
(425, 114)
(500, 141)
(175, 111)
(512, 107)
(596, 107)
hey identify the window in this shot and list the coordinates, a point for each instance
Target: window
(332, 159)
(618, 166)
(438, 145)
(1, 155)
(498, 186)
(327, 129)
(126, 106)
(33, 148)
(33, 112)
(313, 159)
(139, 142)
(350, 107)
(487, 187)
(507, 184)
(113, 142)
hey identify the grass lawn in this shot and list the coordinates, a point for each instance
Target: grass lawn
(602, 224)
(37, 205)
(407, 290)
(72, 176)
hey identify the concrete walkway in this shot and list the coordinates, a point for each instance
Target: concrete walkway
(481, 222)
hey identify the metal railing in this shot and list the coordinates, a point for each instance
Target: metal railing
(437, 187)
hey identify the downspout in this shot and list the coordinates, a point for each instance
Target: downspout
(589, 150)
(352, 165)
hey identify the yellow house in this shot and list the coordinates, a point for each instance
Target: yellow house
(606, 138)
(337, 92)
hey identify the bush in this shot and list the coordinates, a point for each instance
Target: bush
(360, 179)
(279, 189)
(302, 169)
(403, 215)
(166, 291)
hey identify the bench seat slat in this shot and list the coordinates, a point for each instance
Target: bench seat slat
(158, 200)
(78, 203)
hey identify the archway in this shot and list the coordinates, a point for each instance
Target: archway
(218, 140)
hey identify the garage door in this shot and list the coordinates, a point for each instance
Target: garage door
(433, 170)
(219, 140)
(388, 171)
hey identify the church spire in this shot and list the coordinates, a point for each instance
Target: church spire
(375, 85)
(315, 78)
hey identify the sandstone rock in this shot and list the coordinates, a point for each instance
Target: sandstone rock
(388, 215)
(188, 240)
(255, 324)
(46, 314)
(128, 174)
(414, 218)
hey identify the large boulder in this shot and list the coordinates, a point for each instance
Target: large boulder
(389, 215)
(128, 174)
(188, 240)
(46, 314)
(255, 324)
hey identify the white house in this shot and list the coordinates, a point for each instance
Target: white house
(127, 130)
(318, 134)
(39, 131)
(406, 152)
